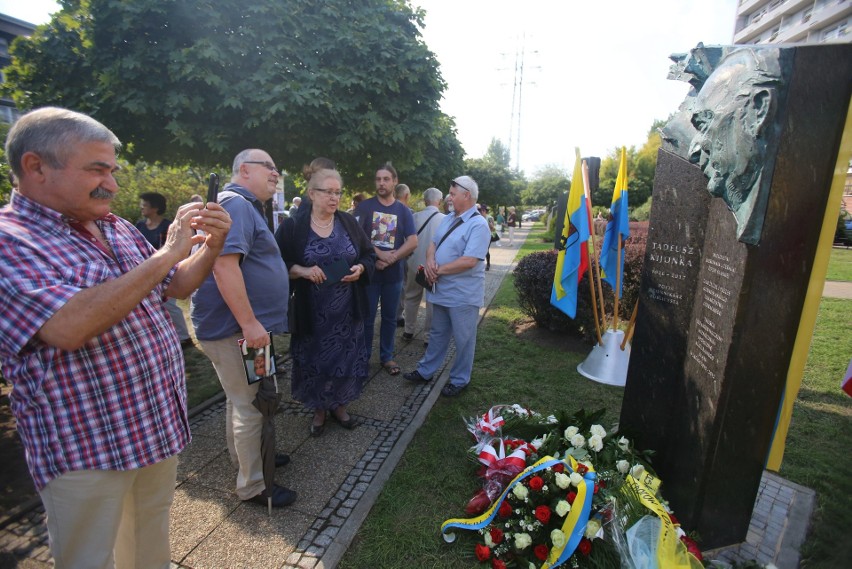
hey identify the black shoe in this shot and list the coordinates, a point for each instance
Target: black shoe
(416, 377)
(487, 267)
(407, 336)
(316, 430)
(281, 459)
(451, 390)
(280, 497)
(400, 322)
(348, 424)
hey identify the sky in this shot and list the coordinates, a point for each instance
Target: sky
(594, 71)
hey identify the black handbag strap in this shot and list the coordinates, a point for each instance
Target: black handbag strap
(447, 234)
(425, 223)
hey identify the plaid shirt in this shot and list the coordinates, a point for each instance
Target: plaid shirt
(117, 403)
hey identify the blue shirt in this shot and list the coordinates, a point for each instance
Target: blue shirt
(471, 239)
(388, 227)
(265, 274)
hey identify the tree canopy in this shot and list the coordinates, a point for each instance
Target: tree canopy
(546, 186)
(641, 165)
(498, 183)
(193, 80)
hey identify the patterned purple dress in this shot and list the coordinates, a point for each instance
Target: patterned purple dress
(330, 365)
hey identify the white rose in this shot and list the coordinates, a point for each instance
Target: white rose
(596, 443)
(576, 479)
(488, 541)
(522, 540)
(623, 444)
(570, 432)
(558, 538)
(578, 440)
(531, 566)
(598, 430)
(623, 466)
(520, 491)
(562, 480)
(592, 528)
(637, 471)
(562, 508)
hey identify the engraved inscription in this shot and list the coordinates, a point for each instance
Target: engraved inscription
(669, 262)
(714, 297)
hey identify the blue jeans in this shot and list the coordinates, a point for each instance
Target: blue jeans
(389, 294)
(461, 322)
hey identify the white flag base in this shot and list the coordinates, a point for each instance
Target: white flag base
(608, 362)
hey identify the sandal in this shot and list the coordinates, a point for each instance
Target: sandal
(391, 367)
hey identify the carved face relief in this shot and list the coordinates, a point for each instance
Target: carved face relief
(724, 146)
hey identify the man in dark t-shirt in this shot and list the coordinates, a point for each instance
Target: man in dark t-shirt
(390, 226)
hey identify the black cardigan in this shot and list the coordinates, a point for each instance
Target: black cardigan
(292, 238)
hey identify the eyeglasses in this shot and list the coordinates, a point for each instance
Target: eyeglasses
(329, 193)
(267, 165)
(454, 183)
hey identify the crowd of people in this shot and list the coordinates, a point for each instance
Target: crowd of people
(92, 336)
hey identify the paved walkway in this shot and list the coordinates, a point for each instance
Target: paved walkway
(339, 476)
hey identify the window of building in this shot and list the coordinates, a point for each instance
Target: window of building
(837, 32)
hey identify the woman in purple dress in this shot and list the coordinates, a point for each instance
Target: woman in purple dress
(330, 260)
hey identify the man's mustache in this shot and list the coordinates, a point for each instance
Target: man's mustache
(101, 194)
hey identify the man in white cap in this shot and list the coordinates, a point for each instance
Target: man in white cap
(455, 266)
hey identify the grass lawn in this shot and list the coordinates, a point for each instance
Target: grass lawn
(434, 480)
(840, 265)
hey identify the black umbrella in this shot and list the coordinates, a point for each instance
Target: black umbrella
(266, 401)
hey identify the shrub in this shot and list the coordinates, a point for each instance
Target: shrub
(534, 283)
(642, 212)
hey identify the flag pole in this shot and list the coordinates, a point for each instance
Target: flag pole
(617, 284)
(591, 236)
(628, 334)
(593, 266)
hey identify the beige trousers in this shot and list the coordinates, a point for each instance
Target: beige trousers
(243, 421)
(101, 519)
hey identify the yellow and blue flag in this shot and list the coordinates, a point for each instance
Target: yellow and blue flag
(618, 224)
(572, 260)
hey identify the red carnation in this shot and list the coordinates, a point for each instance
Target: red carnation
(559, 467)
(497, 564)
(571, 497)
(582, 469)
(541, 551)
(542, 514)
(674, 520)
(482, 552)
(597, 487)
(585, 546)
(505, 510)
(496, 535)
(692, 547)
(536, 483)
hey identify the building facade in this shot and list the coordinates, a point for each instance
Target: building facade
(10, 28)
(793, 21)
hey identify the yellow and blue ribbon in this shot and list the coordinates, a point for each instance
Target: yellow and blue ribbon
(575, 522)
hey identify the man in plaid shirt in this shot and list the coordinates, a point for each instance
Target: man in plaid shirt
(96, 366)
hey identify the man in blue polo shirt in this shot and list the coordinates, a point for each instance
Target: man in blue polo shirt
(455, 266)
(390, 226)
(246, 297)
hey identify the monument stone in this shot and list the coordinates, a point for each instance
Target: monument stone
(740, 194)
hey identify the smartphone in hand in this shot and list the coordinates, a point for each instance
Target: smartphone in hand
(213, 188)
